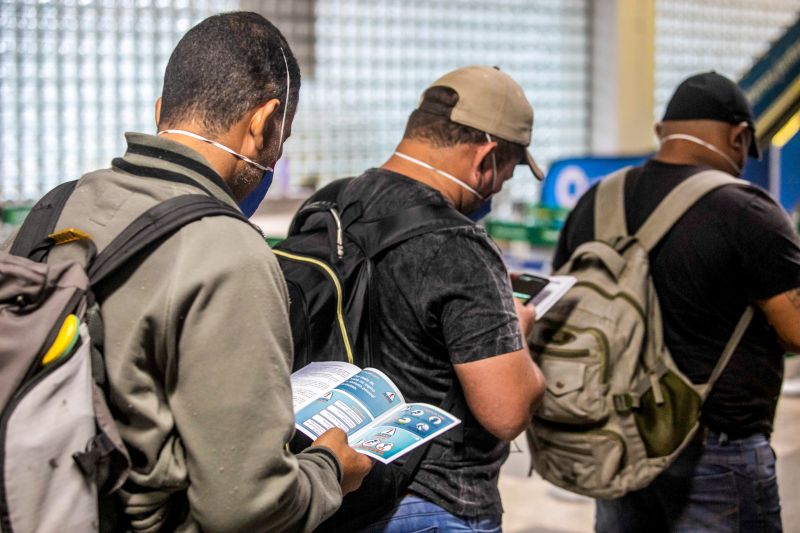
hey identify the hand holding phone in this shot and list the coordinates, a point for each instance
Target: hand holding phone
(526, 286)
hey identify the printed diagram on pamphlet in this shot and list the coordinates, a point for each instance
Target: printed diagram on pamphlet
(367, 405)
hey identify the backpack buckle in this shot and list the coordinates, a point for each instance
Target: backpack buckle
(625, 403)
(68, 235)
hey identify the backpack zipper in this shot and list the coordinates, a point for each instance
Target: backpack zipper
(339, 239)
(602, 342)
(625, 296)
(339, 294)
(584, 451)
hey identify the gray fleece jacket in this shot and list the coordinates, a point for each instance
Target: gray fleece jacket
(198, 352)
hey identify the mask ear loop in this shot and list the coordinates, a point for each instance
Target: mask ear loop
(494, 167)
(704, 144)
(286, 103)
(442, 173)
(221, 146)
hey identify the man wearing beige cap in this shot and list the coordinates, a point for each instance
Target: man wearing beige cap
(449, 332)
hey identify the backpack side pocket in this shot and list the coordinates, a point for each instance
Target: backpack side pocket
(51, 419)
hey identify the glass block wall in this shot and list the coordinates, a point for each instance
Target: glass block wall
(375, 57)
(723, 35)
(76, 74)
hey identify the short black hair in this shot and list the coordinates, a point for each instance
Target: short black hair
(225, 66)
(437, 129)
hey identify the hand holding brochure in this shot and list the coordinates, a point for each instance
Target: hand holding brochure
(367, 406)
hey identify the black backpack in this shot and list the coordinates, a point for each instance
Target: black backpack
(328, 259)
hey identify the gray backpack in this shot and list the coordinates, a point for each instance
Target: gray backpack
(60, 451)
(617, 410)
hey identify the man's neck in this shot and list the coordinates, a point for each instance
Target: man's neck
(221, 161)
(680, 152)
(440, 158)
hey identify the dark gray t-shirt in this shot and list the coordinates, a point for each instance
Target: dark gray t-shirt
(445, 298)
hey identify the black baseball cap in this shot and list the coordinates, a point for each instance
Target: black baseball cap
(711, 96)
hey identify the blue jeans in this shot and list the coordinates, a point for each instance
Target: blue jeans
(716, 485)
(417, 515)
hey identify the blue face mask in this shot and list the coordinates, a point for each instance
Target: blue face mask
(254, 199)
(484, 209)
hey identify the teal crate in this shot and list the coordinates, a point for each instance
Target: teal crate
(14, 215)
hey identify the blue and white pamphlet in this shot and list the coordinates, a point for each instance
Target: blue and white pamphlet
(367, 405)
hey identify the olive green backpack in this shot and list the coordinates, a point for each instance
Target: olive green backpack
(617, 410)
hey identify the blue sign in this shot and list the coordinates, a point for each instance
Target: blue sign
(790, 175)
(772, 75)
(568, 179)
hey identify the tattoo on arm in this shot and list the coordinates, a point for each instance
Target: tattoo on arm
(794, 297)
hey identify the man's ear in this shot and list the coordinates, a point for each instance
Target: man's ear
(480, 160)
(258, 122)
(158, 111)
(658, 128)
(739, 137)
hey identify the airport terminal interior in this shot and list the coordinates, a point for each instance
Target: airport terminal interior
(76, 74)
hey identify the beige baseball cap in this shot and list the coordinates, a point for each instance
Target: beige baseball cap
(489, 100)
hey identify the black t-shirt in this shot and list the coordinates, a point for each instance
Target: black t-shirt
(445, 298)
(733, 247)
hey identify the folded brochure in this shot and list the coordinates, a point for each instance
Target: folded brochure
(367, 405)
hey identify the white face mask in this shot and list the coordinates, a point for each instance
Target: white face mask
(691, 138)
(233, 152)
(454, 179)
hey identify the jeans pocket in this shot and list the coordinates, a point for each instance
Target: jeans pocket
(712, 505)
(766, 488)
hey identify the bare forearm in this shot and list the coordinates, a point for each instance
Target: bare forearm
(783, 313)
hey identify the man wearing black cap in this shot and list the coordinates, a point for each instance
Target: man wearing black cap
(735, 247)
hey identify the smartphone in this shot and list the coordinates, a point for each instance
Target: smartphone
(526, 286)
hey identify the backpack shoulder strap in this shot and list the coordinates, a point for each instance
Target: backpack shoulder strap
(727, 353)
(324, 199)
(154, 225)
(661, 220)
(41, 221)
(383, 233)
(678, 201)
(609, 207)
